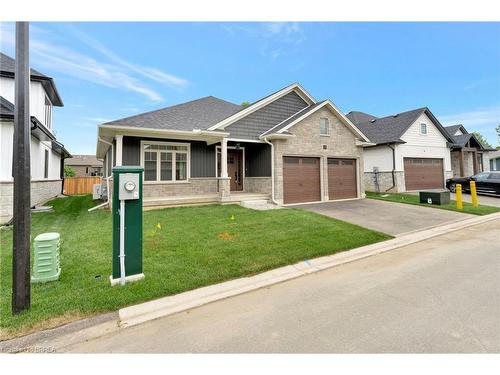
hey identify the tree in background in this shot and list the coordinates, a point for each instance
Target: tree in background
(245, 104)
(68, 171)
(483, 140)
(498, 135)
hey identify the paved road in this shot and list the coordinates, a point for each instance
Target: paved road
(439, 295)
(487, 200)
(387, 217)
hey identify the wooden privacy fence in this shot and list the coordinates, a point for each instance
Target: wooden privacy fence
(80, 185)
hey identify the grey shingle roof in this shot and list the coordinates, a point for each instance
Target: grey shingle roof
(357, 117)
(197, 114)
(7, 68)
(84, 160)
(291, 119)
(7, 64)
(6, 108)
(390, 129)
(453, 128)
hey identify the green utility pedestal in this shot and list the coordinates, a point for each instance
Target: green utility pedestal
(127, 224)
(46, 266)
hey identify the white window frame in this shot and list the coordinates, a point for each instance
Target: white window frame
(158, 161)
(327, 134)
(47, 112)
(426, 129)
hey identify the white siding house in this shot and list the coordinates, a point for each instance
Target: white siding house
(47, 153)
(411, 152)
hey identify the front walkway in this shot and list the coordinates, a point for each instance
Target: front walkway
(387, 217)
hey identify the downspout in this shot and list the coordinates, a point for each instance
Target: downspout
(107, 180)
(393, 167)
(272, 171)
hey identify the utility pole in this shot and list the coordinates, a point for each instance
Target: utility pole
(21, 283)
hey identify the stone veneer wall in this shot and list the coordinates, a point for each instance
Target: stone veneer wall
(195, 186)
(468, 164)
(41, 191)
(385, 181)
(261, 185)
(308, 142)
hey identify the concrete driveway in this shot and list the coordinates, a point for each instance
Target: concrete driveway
(387, 217)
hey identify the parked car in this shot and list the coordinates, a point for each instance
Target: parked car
(486, 183)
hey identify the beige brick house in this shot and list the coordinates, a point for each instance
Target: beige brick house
(286, 148)
(84, 165)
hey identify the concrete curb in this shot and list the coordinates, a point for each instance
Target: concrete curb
(51, 340)
(165, 306)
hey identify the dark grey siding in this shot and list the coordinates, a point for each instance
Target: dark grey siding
(257, 160)
(202, 155)
(265, 118)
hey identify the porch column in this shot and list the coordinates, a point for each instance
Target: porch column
(223, 159)
(474, 161)
(224, 180)
(461, 159)
(119, 150)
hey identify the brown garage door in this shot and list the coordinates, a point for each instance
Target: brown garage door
(342, 179)
(423, 173)
(301, 181)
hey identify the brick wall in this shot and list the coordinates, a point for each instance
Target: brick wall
(195, 186)
(308, 142)
(261, 185)
(41, 191)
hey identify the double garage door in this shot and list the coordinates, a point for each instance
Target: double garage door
(423, 173)
(302, 179)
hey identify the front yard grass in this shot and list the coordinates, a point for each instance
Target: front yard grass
(414, 199)
(184, 248)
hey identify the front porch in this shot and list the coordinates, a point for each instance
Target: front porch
(235, 197)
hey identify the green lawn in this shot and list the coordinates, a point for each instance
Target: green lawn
(414, 199)
(195, 246)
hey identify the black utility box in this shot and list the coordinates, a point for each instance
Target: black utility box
(435, 197)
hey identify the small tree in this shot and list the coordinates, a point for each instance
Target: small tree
(68, 171)
(498, 134)
(245, 104)
(482, 139)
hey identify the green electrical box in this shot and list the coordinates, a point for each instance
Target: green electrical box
(127, 224)
(46, 266)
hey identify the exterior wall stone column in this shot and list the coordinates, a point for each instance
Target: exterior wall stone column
(224, 188)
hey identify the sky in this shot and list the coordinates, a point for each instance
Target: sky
(107, 71)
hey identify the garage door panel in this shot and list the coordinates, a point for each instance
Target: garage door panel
(301, 179)
(423, 173)
(342, 179)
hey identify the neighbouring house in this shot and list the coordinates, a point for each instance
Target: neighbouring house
(466, 152)
(492, 161)
(411, 151)
(47, 154)
(84, 165)
(286, 147)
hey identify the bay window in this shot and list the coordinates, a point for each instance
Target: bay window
(164, 161)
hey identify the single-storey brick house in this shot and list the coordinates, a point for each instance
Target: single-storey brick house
(286, 147)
